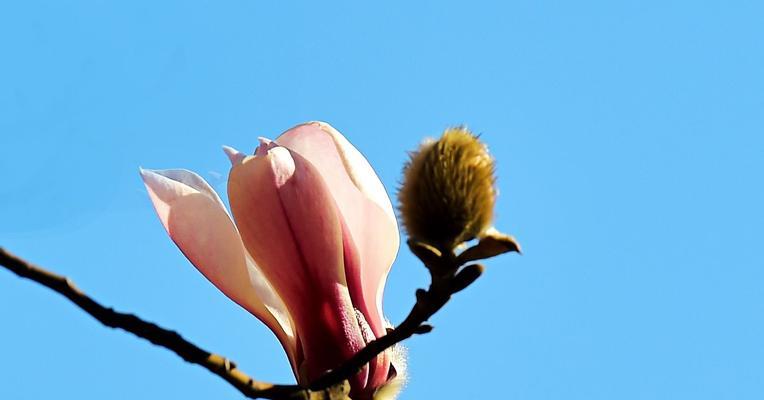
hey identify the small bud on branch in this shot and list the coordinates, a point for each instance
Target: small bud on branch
(447, 196)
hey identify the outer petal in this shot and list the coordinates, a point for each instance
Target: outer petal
(198, 223)
(323, 146)
(233, 155)
(372, 240)
(289, 224)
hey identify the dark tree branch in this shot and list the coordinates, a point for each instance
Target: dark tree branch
(155, 334)
(428, 303)
(447, 279)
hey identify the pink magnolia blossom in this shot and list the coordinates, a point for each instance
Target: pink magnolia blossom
(313, 241)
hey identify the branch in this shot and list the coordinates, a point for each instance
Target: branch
(428, 303)
(447, 279)
(155, 334)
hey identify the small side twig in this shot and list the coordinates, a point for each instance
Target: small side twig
(155, 334)
(446, 280)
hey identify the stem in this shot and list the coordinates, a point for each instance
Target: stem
(155, 334)
(428, 303)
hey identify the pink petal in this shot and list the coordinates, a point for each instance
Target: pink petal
(372, 238)
(198, 223)
(309, 139)
(235, 156)
(290, 225)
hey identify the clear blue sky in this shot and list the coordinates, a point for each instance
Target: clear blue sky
(630, 147)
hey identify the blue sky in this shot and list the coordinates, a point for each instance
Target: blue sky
(628, 137)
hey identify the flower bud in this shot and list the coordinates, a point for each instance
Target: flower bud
(448, 194)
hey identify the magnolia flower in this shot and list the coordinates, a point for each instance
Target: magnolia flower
(313, 241)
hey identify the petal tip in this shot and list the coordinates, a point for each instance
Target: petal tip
(235, 156)
(146, 173)
(323, 125)
(265, 146)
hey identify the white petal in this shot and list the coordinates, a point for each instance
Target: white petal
(197, 221)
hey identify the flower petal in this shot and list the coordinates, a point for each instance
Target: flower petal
(197, 221)
(289, 223)
(235, 156)
(372, 231)
(319, 142)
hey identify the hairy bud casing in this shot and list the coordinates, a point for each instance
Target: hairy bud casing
(448, 193)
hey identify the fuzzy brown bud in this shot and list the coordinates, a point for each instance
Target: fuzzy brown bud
(448, 194)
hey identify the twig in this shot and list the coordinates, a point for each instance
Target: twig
(430, 302)
(446, 280)
(155, 334)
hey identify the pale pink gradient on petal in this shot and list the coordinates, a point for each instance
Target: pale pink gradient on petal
(359, 170)
(317, 227)
(290, 224)
(371, 232)
(235, 156)
(265, 145)
(198, 223)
